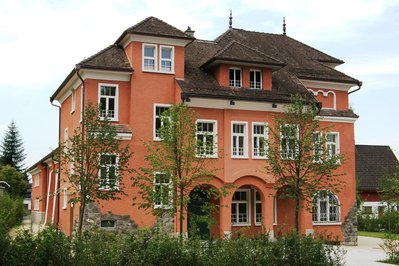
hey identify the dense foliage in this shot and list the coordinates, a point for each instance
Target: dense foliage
(11, 148)
(51, 247)
(17, 180)
(387, 222)
(11, 212)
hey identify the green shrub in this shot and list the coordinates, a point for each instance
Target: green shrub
(388, 222)
(391, 247)
(11, 212)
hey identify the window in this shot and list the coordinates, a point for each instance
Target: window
(368, 210)
(325, 208)
(289, 138)
(259, 140)
(255, 79)
(158, 123)
(36, 180)
(73, 103)
(240, 207)
(108, 101)
(239, 140)
(108, 172)
(317, 147)
(162, 190)
(107, 224)
(65, 198)
(235, 77)
(332, 144)
(166, 59)
(207, 138)
(149, 57)
(275, 210)
(258, 208)
(36, 204)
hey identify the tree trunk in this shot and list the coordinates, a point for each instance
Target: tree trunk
(181, 214)
(81, 214)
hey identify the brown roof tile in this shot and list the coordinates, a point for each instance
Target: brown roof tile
(338, 113)
(372, 163)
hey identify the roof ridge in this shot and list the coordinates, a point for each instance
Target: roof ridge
(254, 31)
(97, 54)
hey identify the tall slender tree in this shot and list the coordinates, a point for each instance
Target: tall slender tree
(12, 149)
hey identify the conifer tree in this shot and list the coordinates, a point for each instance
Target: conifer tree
(11, 148)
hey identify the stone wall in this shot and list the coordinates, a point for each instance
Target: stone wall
(349, 227)
(92, 216)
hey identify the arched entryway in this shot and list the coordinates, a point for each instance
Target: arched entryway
(203, 212)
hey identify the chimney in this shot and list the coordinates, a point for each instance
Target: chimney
(189, 31)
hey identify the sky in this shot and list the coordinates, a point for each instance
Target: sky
(42, 40)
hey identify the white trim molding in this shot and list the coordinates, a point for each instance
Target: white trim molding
(336, 119)
(153, 39)
(325, 94)
(316, 84)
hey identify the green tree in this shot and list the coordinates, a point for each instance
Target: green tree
(174, 164)
(93, 162)
(389, 188)
(15, 179)
(12, 149)
(299, 156)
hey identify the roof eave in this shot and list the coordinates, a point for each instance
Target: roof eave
(220, 60)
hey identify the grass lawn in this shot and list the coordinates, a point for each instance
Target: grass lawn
(372, 234)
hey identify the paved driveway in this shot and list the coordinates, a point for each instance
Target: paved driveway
(368, 252)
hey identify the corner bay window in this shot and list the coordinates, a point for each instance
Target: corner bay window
(206, 138)
(108, 176)
(108, 101)
(240, 207)
(325, 208)
(235, 77)
(158, 123)
(255, 79)
(239, 140)
(162, 190)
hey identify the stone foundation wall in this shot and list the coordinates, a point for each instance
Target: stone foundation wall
(92, 216)
(349, 227)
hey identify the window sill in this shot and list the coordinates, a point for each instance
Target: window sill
(207, 156)
(259, 158)
(158, 71)
(257, 224)
(326, 223)
(239, 157)
(237, 225)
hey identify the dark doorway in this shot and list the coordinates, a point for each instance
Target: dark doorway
(198, 214)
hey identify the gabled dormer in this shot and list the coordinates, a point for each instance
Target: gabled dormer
(239, 66)
(154, 46)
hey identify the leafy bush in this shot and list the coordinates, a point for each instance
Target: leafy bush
(391, 247)
(144, 247)
(388, 222)
(11, 212)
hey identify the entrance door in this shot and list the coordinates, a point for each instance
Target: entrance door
(198, 213)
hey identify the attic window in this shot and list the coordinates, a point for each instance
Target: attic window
(149, 56)
(235, 77)
(255, 78)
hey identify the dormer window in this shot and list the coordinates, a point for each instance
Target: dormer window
(149, 56)
(166, 59)
(255, 79)
(235, 77)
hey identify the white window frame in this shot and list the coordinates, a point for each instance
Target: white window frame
(233, 82)
(287, 147)
(36, 180)
(275, 210)
(214, 134)
(64, 198)
(317, 200)
(171, 60)
(260, 83)
(116, 98)
(156, 138)
(36, 204)
(108, 227)
(337, 148)
(155, 58)
(106, 187)
(245, 142)
(265, 136)
(73, 101)
(169, 185)
(321, 148)
(81, 103)
(255, 212)
(247, 202)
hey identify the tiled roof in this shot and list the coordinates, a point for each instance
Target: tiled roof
(338, 113)
(156, 27)
(45, 158)
(111, 58)
(372, 163)
(236, 51)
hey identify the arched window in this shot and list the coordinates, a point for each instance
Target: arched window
(325, 208)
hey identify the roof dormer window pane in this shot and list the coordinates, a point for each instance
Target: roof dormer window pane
(255, 77)
(149, 57)
(166, 59)
(235, 77)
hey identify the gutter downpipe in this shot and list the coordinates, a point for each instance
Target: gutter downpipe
(359, 84)
(59, 166)
(77, 69)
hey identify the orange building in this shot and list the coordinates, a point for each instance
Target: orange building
(237, 84)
